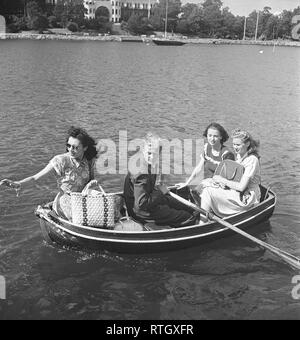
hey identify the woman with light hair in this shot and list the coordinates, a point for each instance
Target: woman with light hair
(146, 198)
(233, 197)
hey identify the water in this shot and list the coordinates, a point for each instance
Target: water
(176, 91)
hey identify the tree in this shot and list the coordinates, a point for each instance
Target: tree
(212, 17)
(40, 23)
(69, 10)
(285, 24)
(52, 21)
(9, 7)
(271, 27)
(137, 24)
(72, 26)
(157, 20)
(228, 23)
(238, 27)
(17, 24)
(32, 10)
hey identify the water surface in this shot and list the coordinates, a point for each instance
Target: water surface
(176, 91)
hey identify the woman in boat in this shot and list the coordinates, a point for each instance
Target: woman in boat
(232, 197)
(73, 169)
(214, 152)
(147, 198)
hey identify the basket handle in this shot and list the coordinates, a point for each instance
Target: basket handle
(91, 183)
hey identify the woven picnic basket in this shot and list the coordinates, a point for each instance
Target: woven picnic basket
(93, 208)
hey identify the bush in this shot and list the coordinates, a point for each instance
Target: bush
(17, 24)
(52, 21)
(72, 26)
(40, 23)
(13, 28)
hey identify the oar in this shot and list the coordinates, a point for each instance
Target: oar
(289, 258)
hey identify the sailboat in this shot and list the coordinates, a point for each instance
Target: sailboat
(167, 41)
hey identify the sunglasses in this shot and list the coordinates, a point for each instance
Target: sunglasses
(69, 146)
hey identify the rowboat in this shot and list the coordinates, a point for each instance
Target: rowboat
(155, 239)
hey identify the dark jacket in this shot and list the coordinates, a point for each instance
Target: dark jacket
(141, 194)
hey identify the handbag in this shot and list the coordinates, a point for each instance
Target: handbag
(127, 223)
(93, 208)
(231, 170)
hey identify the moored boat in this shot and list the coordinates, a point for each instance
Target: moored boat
(131, 39)
(168, 42)
(155, 239)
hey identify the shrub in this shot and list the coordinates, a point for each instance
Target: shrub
(40, 23)
(52, 21)
(72, 26)
(13, 28)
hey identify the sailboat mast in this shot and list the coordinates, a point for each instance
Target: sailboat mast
(256, 28)
(166, 20)
(245, 24)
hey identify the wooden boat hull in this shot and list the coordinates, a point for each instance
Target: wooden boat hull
(166, 42)
(65, 233)
(131, 39)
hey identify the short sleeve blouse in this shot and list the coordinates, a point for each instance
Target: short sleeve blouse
(252, 170)
(72, 176)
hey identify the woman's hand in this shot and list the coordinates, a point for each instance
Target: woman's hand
(181, 185)
(221, 181)
(92, 183)
(10, 184)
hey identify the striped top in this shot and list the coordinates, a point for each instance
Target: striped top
(211, 162)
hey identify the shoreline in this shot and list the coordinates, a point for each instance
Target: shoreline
(117, 38)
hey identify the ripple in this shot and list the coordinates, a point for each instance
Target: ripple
(175, 92)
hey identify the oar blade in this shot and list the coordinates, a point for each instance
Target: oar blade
(294, 263)
(292, 260)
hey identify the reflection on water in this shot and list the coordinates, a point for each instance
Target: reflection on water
(107, 87)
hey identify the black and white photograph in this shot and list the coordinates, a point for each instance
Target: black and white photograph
(149, 162)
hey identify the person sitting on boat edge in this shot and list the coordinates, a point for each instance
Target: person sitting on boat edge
(73, 169)
(214, 152)
(232, 197)
(146, 198)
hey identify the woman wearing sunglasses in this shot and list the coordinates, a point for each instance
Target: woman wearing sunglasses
(73, 169)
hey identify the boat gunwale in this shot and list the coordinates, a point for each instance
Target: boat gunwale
(149, 241)
(120, 234)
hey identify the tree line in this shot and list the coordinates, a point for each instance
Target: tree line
(206, 19)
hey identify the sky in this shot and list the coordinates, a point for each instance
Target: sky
(245, 7)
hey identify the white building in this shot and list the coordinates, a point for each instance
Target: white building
(115, 7)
